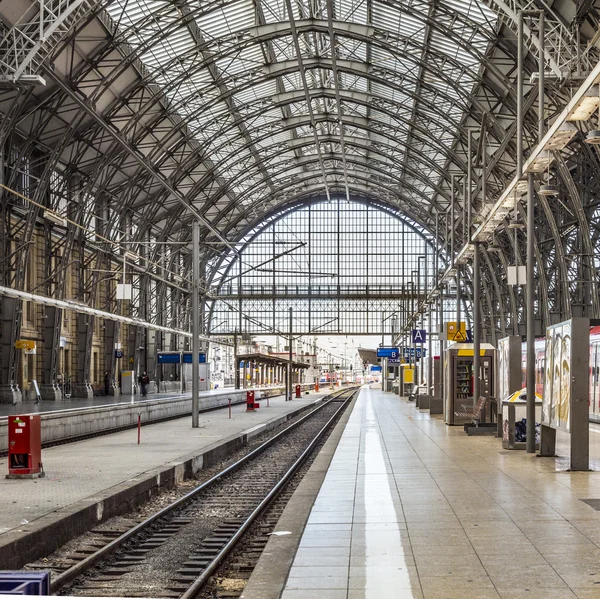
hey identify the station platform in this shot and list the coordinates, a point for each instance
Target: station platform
(411, 508)
(98, 477)
(32, 407)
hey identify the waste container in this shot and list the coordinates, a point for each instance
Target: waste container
(251, 405)
(298, 391)
(25, 446)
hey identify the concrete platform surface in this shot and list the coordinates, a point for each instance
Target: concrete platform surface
(82, 470)
(411, 508)
(31, 407)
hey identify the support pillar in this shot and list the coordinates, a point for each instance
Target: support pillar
(11, 310)
(111, 334)
(195, 324)
(49, 390)
(529, 300)
(85, 329)
(476, 323)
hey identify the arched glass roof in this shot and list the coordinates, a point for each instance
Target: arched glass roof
(341, 266)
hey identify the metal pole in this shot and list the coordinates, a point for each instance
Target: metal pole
(520, 95)
(541, 82)
(530, 319)
(452, 199)
(236, 364)
(429, 355)
(469, 184)
(476, 324)
(290, 360)
(458, 297)
(195, 324)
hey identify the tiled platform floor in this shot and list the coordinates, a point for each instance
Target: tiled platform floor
(411, 508)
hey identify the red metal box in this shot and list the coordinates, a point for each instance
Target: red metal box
(25, 445)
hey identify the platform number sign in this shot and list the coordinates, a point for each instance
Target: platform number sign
(419, 336)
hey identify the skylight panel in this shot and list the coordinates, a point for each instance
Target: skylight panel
(230, 17)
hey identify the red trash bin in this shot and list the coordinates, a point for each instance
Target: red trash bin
(25, 446)
(250, 404)
(298, 392)
(316, 386)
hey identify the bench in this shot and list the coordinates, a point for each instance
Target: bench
(475, 415)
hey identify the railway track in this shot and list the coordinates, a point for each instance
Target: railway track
(175, 551)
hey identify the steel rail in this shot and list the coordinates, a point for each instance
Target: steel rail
(197, 585)
(69, 575)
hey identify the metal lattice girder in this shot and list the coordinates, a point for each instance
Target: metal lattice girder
(34, 36)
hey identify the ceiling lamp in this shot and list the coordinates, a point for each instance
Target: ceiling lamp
(548, 190)
(516, 224)
(593, 138)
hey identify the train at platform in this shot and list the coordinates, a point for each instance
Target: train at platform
(594, 370)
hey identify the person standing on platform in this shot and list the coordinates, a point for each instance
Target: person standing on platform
(144, 380)
(106, 382)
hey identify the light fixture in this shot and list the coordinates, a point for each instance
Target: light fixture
(593, 138)
(55, 218)
(516, 222)
(131, 256)
(548, 190)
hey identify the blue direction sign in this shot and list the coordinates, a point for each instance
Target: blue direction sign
(375, 368)
(168, 358)
(409, 352)
(187, 358)
(388, 352)
(419, 336)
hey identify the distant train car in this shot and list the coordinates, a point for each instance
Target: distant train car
(540, 364)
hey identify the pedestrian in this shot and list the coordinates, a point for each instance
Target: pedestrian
(106, 383)
(143, 381)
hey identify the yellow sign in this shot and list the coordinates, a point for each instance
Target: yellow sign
(408, 375)
(456, 334)
(25, 344)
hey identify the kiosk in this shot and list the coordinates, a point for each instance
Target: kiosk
(458, 385)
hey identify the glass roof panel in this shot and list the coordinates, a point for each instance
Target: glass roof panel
(414, 71)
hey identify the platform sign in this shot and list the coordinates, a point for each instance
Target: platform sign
(393, 361)
(168, 358)
(187, 358)
(26, 344)
(375, 368)
(388, 352)
(419, 336)
(118, 353)
(409, 352)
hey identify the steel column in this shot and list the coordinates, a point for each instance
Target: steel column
(530, 317)
(195, 324)
(476, 323)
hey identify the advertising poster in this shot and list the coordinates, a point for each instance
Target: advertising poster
(503, 368)
(557, 390)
